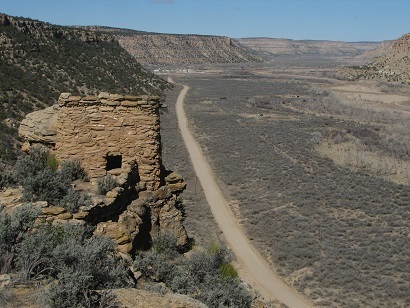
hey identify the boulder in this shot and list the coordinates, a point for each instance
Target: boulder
(40, 126)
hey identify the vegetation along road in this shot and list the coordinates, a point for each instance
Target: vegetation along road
(253, 268)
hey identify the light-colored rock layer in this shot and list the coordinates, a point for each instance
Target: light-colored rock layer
(189, 49)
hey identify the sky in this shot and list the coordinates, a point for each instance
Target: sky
(337, 20)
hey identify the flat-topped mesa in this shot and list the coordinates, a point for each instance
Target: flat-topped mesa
(111, 134)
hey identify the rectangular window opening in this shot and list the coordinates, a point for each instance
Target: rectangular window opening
(113, 162)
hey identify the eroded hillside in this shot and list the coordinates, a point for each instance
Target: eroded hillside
(40, 60)
(270, 47)
(179, 48)
(392, 66)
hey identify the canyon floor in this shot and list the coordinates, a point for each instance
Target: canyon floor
(315, 170)
(252, 266)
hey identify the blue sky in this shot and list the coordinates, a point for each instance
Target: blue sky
(347, 20)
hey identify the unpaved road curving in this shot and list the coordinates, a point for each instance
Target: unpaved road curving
(253, 268)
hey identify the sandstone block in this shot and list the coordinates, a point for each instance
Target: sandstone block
(53, 210)
(130, 103)
(89, 98)
(104, 95)
(73, 98)
(177, 187)
(116, 97)
(110, 103)
(80, 215)
(64, 216)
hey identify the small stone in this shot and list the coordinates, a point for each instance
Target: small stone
(65, 95)
(116, 97)
(104, 95)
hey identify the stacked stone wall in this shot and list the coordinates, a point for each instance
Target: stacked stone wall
(93, 128)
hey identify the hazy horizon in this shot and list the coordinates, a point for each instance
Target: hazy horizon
(348, 20)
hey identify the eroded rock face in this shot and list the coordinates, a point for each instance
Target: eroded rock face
(189, 49)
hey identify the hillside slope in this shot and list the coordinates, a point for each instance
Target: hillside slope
(392, 66)
(40, 60)
(157, 48)
(270, 47)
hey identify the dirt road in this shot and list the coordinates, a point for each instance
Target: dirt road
(252, 267)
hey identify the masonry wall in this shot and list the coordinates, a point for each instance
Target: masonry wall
(111, 127)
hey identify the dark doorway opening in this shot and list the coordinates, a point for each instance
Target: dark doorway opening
(113, 162)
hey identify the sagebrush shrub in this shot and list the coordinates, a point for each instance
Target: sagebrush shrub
(74, 199)
(72, 170)
(44, 185)
(105, 184)
(12, 230)
(165, 243)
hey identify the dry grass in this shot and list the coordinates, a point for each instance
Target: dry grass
(337, 234)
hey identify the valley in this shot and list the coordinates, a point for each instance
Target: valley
(251, 172)
(315, 169)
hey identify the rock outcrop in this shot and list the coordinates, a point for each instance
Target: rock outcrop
(114, 135)
(187, 49)
(40, 127)
(270, 47)
(393, 66)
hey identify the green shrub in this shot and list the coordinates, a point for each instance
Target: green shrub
(29, 165)
(105, 184)
(72, 170)
(227, 271)
(155, 266)
(6, 180)
(73, 200)
(38, 175)
(83, 267)
(44, 185)
(165, 243)
(52, 162)
(204, 275)
(12, 230)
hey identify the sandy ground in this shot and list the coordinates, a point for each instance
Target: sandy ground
(369, 93)
(253, 268)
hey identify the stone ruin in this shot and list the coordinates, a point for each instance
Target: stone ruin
(111, 134)
(117, 135)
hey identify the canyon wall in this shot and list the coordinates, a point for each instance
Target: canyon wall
(183, 49)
